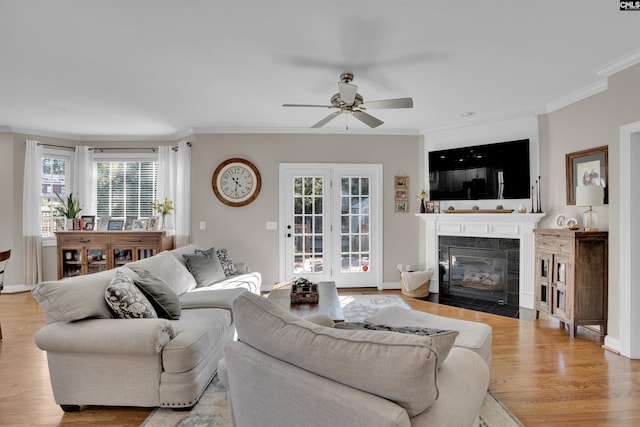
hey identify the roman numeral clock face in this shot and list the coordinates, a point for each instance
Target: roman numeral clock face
(236, 182)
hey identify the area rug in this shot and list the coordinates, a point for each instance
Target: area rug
(212, 410)
(356, 308)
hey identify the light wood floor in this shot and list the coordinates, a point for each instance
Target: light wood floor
(538, 372)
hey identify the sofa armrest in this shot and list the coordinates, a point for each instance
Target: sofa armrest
(106, 336)
(211, 298)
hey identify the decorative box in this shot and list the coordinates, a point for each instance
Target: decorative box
(304, 292)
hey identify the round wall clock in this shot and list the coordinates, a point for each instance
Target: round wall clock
(236, 182)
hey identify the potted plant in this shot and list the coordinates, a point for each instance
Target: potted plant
(70, 209)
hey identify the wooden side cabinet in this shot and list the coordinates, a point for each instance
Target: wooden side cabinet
(86, 252)
(571, 277)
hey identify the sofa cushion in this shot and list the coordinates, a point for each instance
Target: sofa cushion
(474, 336)
(167, 267)
(75, 298)
(126, 300)
(442, 338)
(205, 269)
(161, 296)
(227, 263)
(398, 367)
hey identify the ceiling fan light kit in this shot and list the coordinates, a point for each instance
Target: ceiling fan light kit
(349, 101)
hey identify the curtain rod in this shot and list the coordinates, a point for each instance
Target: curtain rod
(154, 149)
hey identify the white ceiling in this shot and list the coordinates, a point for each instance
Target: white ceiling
(165, 68)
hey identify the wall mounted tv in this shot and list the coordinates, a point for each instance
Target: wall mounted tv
(491, 171)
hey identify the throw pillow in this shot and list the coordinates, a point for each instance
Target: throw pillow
(206, 269)
(161, 296)
(442, 339)
(166, 265)
(126, 300)
(227, 263)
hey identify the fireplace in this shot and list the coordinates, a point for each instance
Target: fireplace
(516, 228)
(480, 268)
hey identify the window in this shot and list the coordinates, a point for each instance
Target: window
(126, 187)
(55, 179)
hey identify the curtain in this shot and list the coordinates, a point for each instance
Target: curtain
(32, 213)
(82, 179)
(167, 166)
(174, 172)
(183, 197)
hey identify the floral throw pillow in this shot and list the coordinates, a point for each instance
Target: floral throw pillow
(126, 300)
(227, 263)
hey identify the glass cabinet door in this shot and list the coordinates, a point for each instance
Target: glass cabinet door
(122, 256)
(71, 262)
(96, 260)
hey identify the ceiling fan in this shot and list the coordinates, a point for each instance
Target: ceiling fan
(348, 100)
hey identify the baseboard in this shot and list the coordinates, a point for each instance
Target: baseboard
(12, 289)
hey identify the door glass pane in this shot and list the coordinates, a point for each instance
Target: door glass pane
(308, 244)
(561, 272)
(544, 272)
(354, 221)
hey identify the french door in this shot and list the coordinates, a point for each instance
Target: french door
(331, 217)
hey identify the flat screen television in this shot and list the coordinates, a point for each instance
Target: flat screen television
(491, 171)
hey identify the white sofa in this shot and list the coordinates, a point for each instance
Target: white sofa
(96, 359)
(287, 371)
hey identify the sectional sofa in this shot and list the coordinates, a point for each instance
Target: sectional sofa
(96, 358)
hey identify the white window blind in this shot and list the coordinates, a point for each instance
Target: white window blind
(126, 188)
(55, 173)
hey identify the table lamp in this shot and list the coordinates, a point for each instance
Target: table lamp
(590, 195)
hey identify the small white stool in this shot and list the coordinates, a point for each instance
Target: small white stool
(474, 336)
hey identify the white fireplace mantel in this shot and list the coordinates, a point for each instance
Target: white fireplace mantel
(491, 225)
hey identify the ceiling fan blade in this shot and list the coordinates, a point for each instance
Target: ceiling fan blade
(389, 103)
(326, 120)
(307, 105)
(367, 119)
(347, 92)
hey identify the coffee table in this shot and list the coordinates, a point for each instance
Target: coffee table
(328, 302)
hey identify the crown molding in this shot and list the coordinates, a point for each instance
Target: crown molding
(579, 95)
(619, 64)
(305, 131)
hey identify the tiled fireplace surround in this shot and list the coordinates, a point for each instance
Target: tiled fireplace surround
(487, 225)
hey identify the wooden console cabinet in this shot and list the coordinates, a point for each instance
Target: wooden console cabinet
(571, 277)
(85, 252)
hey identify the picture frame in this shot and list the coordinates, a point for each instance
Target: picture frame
(402, 207)
(430, 207)
(436, 206)
(401, 181)
(115, 224)
(401, 195)
(88, 222)
(128, 223)
(587, 167)
(103, 222)
(139, 225)
(153, 223)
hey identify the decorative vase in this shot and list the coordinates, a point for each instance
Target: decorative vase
(423, 209)
(163, 223)
(522, 208)
(68, 224)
